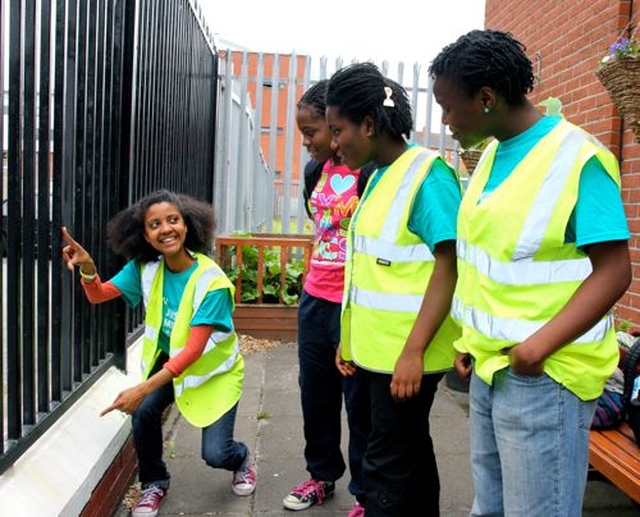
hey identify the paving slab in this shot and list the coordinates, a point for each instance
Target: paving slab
(270, 422)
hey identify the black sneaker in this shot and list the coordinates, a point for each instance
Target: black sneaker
(308, 493)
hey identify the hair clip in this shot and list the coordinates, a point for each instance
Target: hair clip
(388, 102)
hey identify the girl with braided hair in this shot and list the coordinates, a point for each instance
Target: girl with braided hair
(331, 196)
(190, 351)
(400, 275)
(542, 257)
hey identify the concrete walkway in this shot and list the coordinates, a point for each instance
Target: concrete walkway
(269, 421)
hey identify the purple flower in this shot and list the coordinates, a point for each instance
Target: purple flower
(620, 46)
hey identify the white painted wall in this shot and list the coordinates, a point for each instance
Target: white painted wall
(57, 475)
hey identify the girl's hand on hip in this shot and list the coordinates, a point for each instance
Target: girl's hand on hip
(462, 364)
(525, 360)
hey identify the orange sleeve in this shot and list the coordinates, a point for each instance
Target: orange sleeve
(198, 337)
(98, 292)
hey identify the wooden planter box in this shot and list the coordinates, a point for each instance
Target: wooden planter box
(267, 321)
(264, 320)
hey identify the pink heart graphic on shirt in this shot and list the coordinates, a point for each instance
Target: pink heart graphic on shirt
(340, 184)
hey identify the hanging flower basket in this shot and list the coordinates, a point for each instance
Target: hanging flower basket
(621, 78)
(619, 72)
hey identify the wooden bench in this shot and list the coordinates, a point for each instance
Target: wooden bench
(614, 454)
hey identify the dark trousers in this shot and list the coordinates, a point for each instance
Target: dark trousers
(219, 450)
(321, 391)
(399, 467)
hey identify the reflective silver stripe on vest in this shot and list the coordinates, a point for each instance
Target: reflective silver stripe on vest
(547, 197)
(386, 301)
(525, 271)
(201, 290)
(508, 329)
(214, 338)
(391, 227)
(382, 249)
(148, 273)
(150, 332)
(193, 381)
(202, 285)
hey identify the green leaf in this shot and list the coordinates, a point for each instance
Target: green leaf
(272, 283)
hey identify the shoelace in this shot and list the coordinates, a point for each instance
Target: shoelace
(245, 476)
(149, 495)
(309, 487)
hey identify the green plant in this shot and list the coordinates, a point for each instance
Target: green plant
(272, 286)
(624, 325)
(621, 324)
(623, 47)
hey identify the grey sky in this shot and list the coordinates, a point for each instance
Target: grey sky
(405, 30)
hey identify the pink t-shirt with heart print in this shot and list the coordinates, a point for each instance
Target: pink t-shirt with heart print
(333, 201)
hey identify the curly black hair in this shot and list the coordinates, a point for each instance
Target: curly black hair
(487, 58)
(125, 231)
(315, 97)
(358, 91)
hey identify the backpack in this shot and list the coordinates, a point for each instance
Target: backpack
(312, 171)
(631, 373)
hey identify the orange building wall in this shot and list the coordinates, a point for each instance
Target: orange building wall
(566, 40)
(284, 62)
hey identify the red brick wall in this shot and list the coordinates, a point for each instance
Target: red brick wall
(107, 496)
(566, 40)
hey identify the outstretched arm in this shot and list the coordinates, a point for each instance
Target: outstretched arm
(128, 400)
(75, 255)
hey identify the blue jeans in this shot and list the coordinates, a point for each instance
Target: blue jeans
(219, 450)
(529, 446)
(321, 391)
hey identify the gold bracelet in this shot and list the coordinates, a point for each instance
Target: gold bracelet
(88, 277)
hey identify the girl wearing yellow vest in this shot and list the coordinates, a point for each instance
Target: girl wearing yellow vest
(399, 277)
(542, 258)
(190, 349)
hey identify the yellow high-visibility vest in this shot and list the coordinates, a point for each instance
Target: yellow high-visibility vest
(211, 385)
(515, 272)
(387, 273)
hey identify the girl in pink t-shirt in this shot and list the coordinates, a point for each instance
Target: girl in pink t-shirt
(331, 204)
(331, 197)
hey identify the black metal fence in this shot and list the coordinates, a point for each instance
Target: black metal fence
(105, 101)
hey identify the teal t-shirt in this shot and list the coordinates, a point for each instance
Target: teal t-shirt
(435, 208)
(599, 213)
(216, 308)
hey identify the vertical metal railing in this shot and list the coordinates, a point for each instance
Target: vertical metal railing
(105, 100)
(258, 95)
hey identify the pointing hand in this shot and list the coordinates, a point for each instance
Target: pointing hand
(76, 255)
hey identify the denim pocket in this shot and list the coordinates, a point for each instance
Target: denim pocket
(529, 379)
